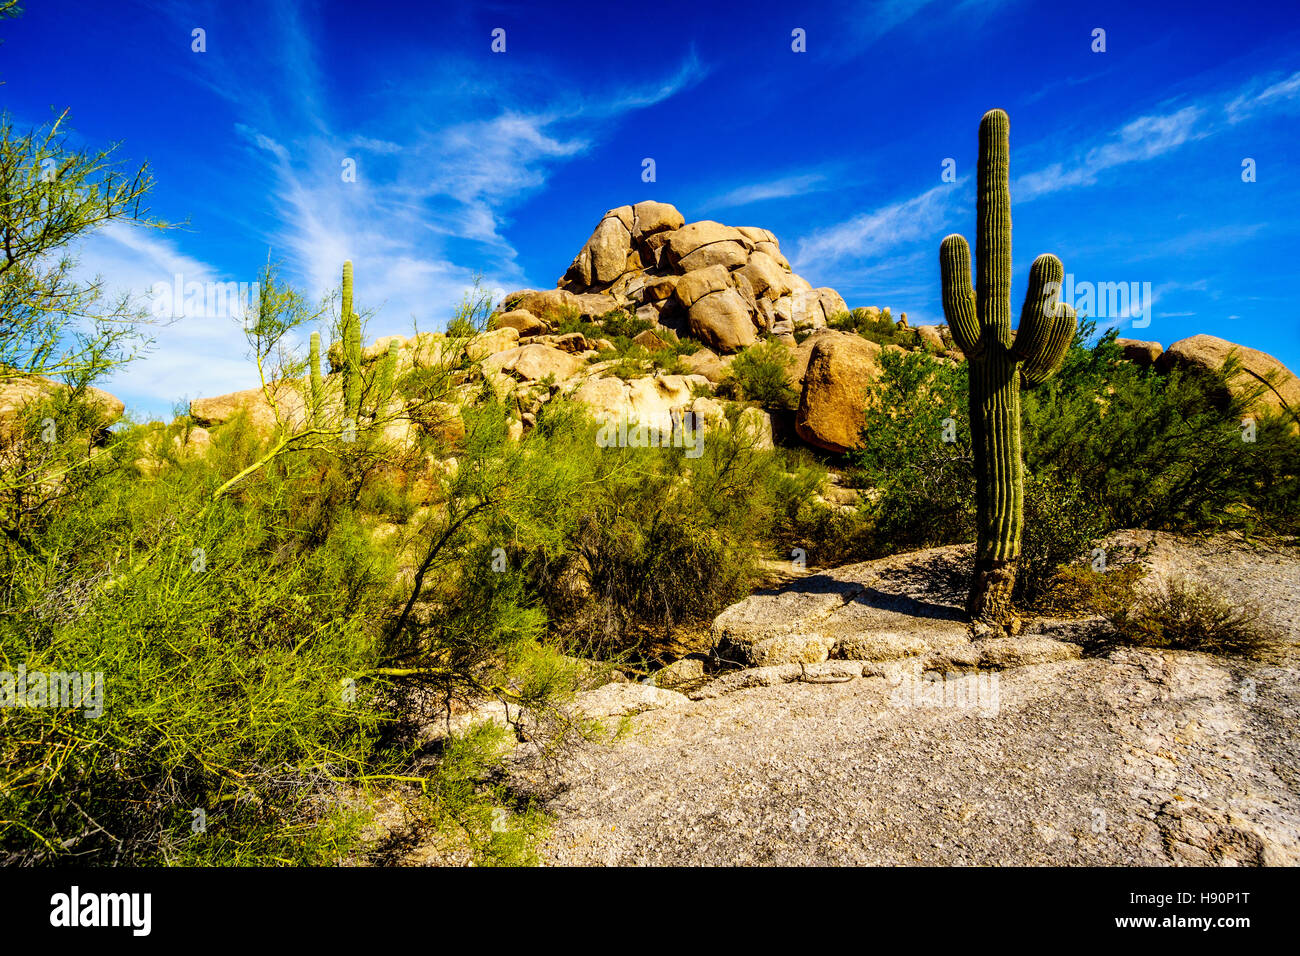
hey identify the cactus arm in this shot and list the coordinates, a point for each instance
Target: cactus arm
(1038, 368)
(993, 219)
(1046, 324)
(959, 295)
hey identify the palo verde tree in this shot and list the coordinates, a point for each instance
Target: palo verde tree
(1000, 365)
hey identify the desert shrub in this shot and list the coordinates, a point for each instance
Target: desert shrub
(879, 329)
(760, 374)
(1061, 523)
(255, 671)
(224, 655)
(915, 453)
(617, 325)
(1107, 445)
(1077, 588)
(622, 324)
(1161, 451)
(659, 540)
(1185, 614)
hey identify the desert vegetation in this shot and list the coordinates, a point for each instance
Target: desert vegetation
(284, 589)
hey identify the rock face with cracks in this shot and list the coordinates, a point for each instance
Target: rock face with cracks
(907, 743)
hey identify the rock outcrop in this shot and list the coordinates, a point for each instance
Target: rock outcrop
(17, 393)
(1282, 387)
(1139, 352)
(721, 284)
(832, 407)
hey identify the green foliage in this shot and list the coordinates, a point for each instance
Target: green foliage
(915, 452)
(53, 319)
(1107, 445)
(876, 327)
(1061, 523)
(659, 540)
(1162, 451)
(760, 374)
(1078, 589)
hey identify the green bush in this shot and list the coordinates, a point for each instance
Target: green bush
(915, 455)
(879, 329)
(660, 540)
(760, 374)
(1161, 451)
(1061, 524)
(1107, 445)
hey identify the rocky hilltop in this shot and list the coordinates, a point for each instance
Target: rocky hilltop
(726, 288)
(723, 285)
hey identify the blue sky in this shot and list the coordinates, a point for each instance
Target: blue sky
(1127, 164)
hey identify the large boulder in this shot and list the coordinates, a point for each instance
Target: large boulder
(547, 304)
(1140, 353)
(289, 409)
(648, 261)
(535, 362)
(17, 393)
(1282, 391)
(722, 320)
(650, 217)
(832, 406)
(522, 321)
(609, 246)
(706, 362)
(653, 401)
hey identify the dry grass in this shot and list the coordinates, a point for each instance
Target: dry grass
(1185, 614)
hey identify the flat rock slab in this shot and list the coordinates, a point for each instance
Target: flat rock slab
(957, 754)
(621, 699)
(1142, 758)
(900, 607)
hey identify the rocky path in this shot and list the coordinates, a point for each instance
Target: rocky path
(1039, 756)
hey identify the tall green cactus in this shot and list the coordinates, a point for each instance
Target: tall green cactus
(351, 328)
(387, 372)
(1000, 364)
(317, 390)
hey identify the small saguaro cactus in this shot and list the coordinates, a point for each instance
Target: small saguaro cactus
(387, 372)
(317, 389)
(1000, 364)
(351, 329)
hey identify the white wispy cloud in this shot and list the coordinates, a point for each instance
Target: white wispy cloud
(784, 188)
(1138, 140)
(878, 231)
(1284, 93)
(440, 165)
(191, 356)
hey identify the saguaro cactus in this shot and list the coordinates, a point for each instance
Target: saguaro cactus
(317, 390)
(1000, 364)
(387, 373)
(351, 329)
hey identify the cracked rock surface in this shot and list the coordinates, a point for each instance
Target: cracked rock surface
(1034, 750)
